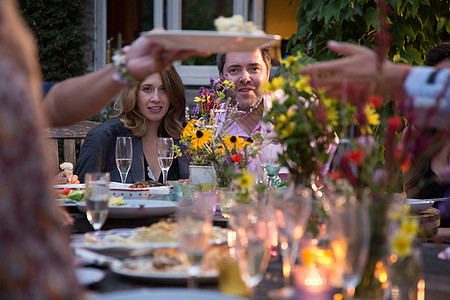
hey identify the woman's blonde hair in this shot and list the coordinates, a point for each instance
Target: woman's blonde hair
(173, 122)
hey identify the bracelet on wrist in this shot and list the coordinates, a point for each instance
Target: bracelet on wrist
(122, 76)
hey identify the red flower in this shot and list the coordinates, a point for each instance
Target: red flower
(335, 175)
(394, 123)
(356, 156)
(376, 101)
(236, 158)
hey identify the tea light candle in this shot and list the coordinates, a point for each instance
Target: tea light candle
(312, 283)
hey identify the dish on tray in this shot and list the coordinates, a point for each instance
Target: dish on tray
(136, 208)
(123, 189)
(142, 268)
(165, 293)
(418, 205)
(162, 234)
(210, 41)
(69, 186)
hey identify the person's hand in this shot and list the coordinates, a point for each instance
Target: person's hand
(146, 57)
(359, 68)
(61, 178)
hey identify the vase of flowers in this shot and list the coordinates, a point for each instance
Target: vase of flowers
(202, 174)
(207, 144)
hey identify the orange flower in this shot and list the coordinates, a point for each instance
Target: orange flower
(356, 156)
(406, 164)
(376, 101)
(236, 158)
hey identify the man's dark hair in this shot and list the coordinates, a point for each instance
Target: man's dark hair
(438, 54)
(265, 53)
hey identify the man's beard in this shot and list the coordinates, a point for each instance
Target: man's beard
(244, 103)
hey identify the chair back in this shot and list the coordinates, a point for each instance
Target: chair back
(68, 136)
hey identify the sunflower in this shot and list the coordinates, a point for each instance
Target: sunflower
(220, 150)
(201, 137)
(401, 244)
(189, 130)
(232, 142)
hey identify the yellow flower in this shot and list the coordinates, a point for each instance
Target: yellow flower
(220, 150)
(189, 130)
(332, 116)
(232, 141)
(372, 117)
(277, 82)
(410, 227)
(290, 60)
(401, 245)
(302, 84)
(247, 180)
(201, 137)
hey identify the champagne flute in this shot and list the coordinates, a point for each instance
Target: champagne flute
(165, 155)
(97, 195)
(194, 218)
(292, 208)
(350, 238)
(124, 156)
(269, 161)
(254, 230)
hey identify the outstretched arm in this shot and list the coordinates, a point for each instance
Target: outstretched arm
(80, 97)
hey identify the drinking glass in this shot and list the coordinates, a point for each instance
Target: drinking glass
(194, 217)
(124, 156)
(97, 195)
(350, 236)
(254, 227)
(165, 155)
(269, 161)
(292, 208)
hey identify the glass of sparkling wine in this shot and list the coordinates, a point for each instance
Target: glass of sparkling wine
(97, 195)
(269, 161)
(165, 155)
(194, 219)
(124, 156)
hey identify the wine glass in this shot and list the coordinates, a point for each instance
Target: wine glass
(97, 195)
(269, 161)
(194, 218)
(350, 237)
(165, 155)
(124, 156)
(254, 229)
(292, 208)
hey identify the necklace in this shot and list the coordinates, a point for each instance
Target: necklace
(254, 106)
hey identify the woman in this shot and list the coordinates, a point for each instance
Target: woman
(153, 109)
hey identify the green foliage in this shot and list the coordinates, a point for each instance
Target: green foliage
(56, 24)
(417, 26)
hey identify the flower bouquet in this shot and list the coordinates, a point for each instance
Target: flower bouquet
(206, 144)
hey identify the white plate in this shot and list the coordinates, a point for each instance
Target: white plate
(123, 189)
(66, 202)
(70, 186)
(110, 241)
(136, 208)
(87, 276)
(141, 268)
(417, 205)
(210, 41)
(163, 294)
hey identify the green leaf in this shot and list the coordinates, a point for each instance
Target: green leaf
(371, 18)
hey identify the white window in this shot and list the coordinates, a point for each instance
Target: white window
(183, 14)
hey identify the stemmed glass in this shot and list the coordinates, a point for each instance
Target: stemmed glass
(269, 161)
(124, 156)
(97, 195)
(254, 231)
(350, 237)
(292, 209)
(165, 155)
(194, 218)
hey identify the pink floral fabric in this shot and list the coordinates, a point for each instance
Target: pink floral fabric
(35, 258)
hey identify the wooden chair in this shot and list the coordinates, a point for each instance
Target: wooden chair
(68, 135)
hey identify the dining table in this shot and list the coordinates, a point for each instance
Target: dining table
(436, 272)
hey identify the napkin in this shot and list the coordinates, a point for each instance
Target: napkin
(445, 254)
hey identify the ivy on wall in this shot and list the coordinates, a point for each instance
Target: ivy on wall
(56, 24)
(416, 26)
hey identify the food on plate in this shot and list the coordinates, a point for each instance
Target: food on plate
(163, 232)
(144, 184)
(236, 24)
(72, 194)
(116, 201)
(166, 258)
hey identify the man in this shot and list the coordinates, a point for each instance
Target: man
(249, 71)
